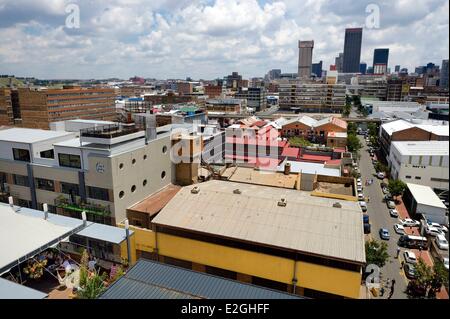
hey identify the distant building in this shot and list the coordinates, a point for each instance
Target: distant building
(305, 59)
(185, 88)
(363, 68)
(317, 69)
(6, 110)
(397, 68)
(39, 108)
(213, 91)
(234, 81)
(225, 105)
(352, 50)
(274, 74)
(255, 96)
(380, 61)
(444, 75)
(339, 62)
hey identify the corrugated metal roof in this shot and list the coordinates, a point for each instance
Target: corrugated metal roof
(153, 280)
(307, 224)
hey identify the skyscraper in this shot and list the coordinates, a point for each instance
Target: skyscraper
(317, 69)
(352, 50)
(444, 74)
(380, 61)
(363, 68)
(305, 59)
(397, 68)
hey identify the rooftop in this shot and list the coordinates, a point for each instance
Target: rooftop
(424, 195)
(11, 290)
(154, 203)
(29, 136)
(427, 148)
(307, 224)
(152, 280)
(435, 127)
(310, 168)
(257, 177)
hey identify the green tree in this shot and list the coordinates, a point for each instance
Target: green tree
(373, 129)
(429, 278)
(353, 143)
(376, 253)
(93, 287)
(380, 167)
(396, 187)
(299, 142)
(352, 128)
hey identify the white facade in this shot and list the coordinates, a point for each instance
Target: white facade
(424, 163)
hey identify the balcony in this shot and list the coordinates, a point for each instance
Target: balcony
(90, 209)
(111, 134)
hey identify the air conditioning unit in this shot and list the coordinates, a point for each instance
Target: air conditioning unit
(237, 191)
(282, 202)
(195, 190)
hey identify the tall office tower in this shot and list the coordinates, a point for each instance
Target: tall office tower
(444, 74)
(317, 69)
(397, 68)
(352, 50)
(339, 62)
(380, 61)
(305, 59)
(363, 68)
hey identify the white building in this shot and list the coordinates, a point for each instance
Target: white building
(420, 162)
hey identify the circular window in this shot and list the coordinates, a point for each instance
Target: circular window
(144, 183)
(133, 161)
(145, 157)
(121, 194)
(133, 188)
(163, 175)
(121, 165)
(164, 150)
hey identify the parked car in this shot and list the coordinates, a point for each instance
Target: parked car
(367, 228)
(381, 175)
(442, 228)
(393, 213)
(358, 180)
(433, 231)
(384, 234)
(385, 190)
(410, 271)
(358, 184)
(363, 206)
(408, 222)
(410, 257)
(441, 242)
(391, 204)
(399, 229)
(445, 261)
(387, 197)
(366, 219)
(383, 185)
(359, 189)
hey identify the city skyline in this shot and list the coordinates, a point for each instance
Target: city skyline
(206, 39)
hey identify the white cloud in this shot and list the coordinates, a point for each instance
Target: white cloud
(207, 38)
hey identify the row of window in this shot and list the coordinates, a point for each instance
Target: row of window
(145, 157)
(430, 160)
(144, 184)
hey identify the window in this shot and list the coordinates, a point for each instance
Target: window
(69, 160)
(408, 177)
(121, 166)
(133, 161)
(45, 184)
(98, 193)
(420, 160)
(410, 160)
(430, 161)
(144, 183)
(21, 180)
(164, 150)
(48, 154)
(121, 194)
(145, 157)
(133, 188)
(71, 189)
(21, 155)
(418, 177)
(163, 175)
(442, 180)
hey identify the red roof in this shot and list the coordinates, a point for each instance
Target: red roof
(259, 162)
(339, 150)
(256, 141)
(336, 161)
(291, 152)
(315, 158)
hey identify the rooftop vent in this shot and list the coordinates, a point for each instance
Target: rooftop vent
(237, 191)
(337, 205)
(195, 190)
(282, 202)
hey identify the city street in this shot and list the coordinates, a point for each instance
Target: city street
(380, 218)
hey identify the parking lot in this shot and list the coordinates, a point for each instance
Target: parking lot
(380, 218)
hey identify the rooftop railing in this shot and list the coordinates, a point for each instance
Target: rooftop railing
(109, 131)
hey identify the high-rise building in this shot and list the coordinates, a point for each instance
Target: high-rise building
(380, 61)
(444, 75)
(352, 50)
(185, 88)
(255, 96)
(6, 112)
(363, 68)
(234, 81)
(339, 62)
(305, 59)
(274, 74)
(397, 68)
(317, 69)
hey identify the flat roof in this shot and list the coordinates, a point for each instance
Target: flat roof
(11, 290)
(265, 178)
(110, 234)
(23, 234)
(434, 127)
(153, 280)
(27, 135)
(310, 168)
(425, 195)
(427, 148)
(307, 224)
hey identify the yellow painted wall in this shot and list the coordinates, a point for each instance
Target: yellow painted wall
(321, 278)
(124, 251)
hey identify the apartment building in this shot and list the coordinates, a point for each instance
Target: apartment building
(226, 105)
(255, 96)
(39, 108)
(420, 162)
(213, 91)
(185, 88)
(311, 97)
(414, 130)
(6, 109)
(104, 171)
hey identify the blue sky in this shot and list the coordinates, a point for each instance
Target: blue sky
(208, 38)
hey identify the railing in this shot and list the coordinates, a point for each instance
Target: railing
(89, 208)
(109, 131)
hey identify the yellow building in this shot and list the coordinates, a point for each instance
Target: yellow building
(279, 238)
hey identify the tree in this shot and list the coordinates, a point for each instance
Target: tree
(396, 187)
(429, 279)
(299, 142)
(376, 253)
(380, 167)
(352, 128)
(93, 287)
(353, 143)
(373, 129)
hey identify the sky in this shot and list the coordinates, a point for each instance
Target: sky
(208, 39)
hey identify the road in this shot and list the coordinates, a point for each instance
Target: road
(380, 218)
